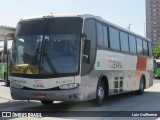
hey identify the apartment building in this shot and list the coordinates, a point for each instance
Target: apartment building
(153, 20)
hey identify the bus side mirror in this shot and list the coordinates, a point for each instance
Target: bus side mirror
(86, 51)
(87, 47)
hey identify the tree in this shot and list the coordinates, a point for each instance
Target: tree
(156, 51)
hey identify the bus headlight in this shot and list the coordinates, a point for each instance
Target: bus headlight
(69, 86)
(15, 85)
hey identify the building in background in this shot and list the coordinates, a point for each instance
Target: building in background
(4, 30)
(153, 20)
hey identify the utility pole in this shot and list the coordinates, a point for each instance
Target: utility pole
(129, 27)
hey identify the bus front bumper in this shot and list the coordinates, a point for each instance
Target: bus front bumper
(58, 95)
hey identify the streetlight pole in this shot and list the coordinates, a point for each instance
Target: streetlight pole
(129, 27)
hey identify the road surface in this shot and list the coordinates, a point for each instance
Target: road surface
(149, 101)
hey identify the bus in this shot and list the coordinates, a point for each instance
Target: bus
(5, 57)
(77, 58)
(156, 68)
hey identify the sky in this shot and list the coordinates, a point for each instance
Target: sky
(119, 12)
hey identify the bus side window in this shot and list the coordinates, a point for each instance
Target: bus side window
(139, 46)
(150, 50)
(132, 44)
(100, 34)
(145, 48)
(105, 36)
(114, 38)
(124, 42)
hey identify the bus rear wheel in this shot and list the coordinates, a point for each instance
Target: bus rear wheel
(141, 86)
(46, 102)
(100, 95)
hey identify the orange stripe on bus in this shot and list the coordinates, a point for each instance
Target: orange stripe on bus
(141, 64)
(140, 69)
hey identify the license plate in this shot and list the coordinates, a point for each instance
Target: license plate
(39, 96)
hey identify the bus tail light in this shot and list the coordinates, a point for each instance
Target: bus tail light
(69, 86)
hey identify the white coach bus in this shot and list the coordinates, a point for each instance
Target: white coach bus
(77, 58)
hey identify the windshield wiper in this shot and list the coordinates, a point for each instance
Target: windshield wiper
(37, 52)
(50, 63)
(44, 54)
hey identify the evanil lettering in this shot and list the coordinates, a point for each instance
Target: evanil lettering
(115, 64)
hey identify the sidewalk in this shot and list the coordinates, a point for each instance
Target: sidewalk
(3, 96)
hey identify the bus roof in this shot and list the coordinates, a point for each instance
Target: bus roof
(84, 16)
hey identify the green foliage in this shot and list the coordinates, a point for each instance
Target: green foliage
(158, 72)
(156, 51)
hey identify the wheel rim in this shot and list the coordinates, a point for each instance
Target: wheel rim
(100, 92)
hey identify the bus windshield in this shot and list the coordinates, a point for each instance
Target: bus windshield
(49, 45)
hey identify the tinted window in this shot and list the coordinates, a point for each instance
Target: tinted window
(150, 49)
(105, 36)
(132, 44)
(145, 48)
(124, 41)
(114, 38)
(139, 46)
(61, 25)
(60, 39)
(100, 34)
(34, 27)
(66, 25)
(90, 31)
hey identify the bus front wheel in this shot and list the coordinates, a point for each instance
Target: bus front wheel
(100, 95)
(46, 102)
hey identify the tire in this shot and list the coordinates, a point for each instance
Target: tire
(141, 86)
(6, 81)
(46, 102)
(100, 94)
